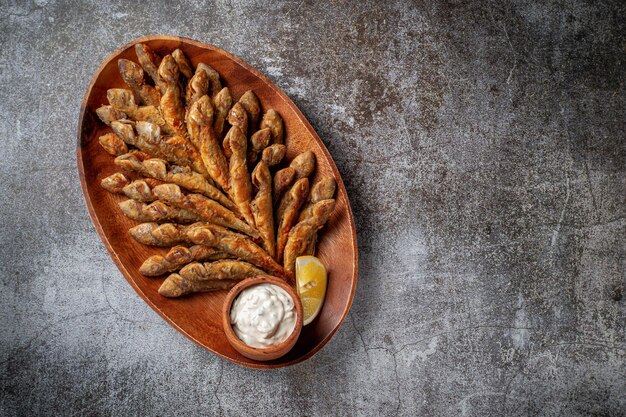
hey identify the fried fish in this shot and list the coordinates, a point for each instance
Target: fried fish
(273, 154)
(273, 120)
(208, 276)
(108, 114)
(214, 78)
(282, 181)
(302, 236)
(324, 189)
(240, 186)
(207, 209)
(251, 104)
(133, 76)
(222, 102)
(172, 100)
(150, 62)
(177, 257)
(258, 142)
(288, 213)
(112, 144)
(156, 212)
(261, 207)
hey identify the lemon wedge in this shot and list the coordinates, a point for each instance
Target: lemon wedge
(311, 279)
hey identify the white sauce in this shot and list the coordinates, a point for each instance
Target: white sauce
(263, 315)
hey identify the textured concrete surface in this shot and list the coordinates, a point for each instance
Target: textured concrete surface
(482, 144)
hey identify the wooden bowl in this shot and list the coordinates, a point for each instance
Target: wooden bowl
(261, 354)
(199, 317)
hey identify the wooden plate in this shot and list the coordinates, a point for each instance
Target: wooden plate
(199, 316)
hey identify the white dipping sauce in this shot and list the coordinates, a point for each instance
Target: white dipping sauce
(263, 315)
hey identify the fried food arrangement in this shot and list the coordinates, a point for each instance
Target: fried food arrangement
(204, 174)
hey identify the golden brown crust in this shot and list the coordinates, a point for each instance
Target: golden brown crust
(206, 208)
(167, 234)
(156, 212)
(250, 103)
(258, 142)
(182, 176)
(108, 114)
(112, 144)
(214, 78)
(261, 207)
(282, 181)
(201, 130)
(222, 102)
(197, 87)
(240, 186)
(274, 154)
(237, 245)
(304, 164)
(141, 190)
(172, 101)
(132, 74)
(122, 100)
(149, 61)
(177, 257)
(237, 116)
(324, 189)
(183, 63)
(302, 235)
(115, 183)
(176, 286)
(288, 212)
(273, 120)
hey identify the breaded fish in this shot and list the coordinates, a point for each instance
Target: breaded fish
(222, 102)
(182, 176)
(214, 79)
(172, 100)
(201, 131)
(197, 87)
(208, 276)
(108, 114)
(273, 154)
(133, 75)
(283, 179)
(150, 62)
(112, 144)
(115, 183)
(240, 186)
(262, 209)
(324, 189)
(156, 212)
(258, 142)
(288, 213)
(302, 236)
(273, 120)
(237, 116)
(304, 164)
(177, 257)
(251, 104)
(237, 245)
(206, 208)
(183, 63)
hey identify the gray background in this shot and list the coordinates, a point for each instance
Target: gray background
(482, 145)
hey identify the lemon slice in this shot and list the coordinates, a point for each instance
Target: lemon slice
(311, 280)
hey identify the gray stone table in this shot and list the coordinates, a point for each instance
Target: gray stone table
(483, 148)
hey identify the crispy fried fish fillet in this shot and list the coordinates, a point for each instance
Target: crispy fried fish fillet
(273, 120)
(178, 257)
(304, 164)
(201, 131)
(115, 183)
(112, 144)
(208, 276)
(108, 114)
(282, 181)
(206, 208)
(324, 189)
(273, 154)
(197, 87)
(182, 176)
(150, 62)
(214, 78)
(302, 236)
(132, 74)
(258, 142)
(288, 213)
(250, 103)
(222, 102)
(183, 63)
(237, 245)
(156, 212)
(262, 209)
(240, 186)
(172, 100)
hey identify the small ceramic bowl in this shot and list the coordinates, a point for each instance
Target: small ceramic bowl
(261, 354)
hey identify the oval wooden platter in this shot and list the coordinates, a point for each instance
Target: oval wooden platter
(199, 316)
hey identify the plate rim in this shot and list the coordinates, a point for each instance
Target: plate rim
(104, 238)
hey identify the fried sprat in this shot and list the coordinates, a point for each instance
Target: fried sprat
(177, 257)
